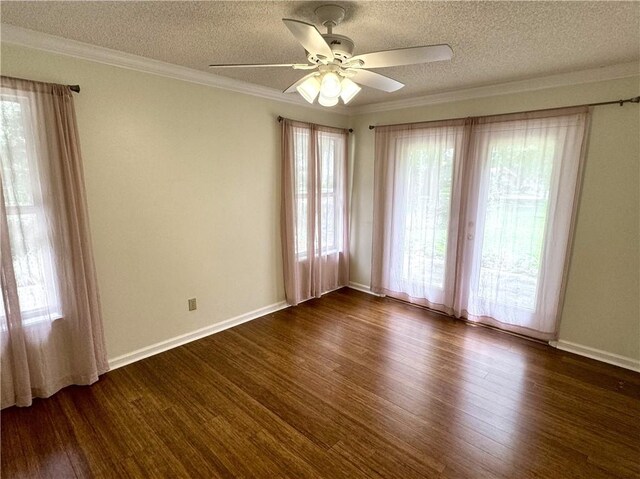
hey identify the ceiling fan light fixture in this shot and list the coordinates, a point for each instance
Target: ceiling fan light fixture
(327, 101)
(331, 56)
(330, 86)
(309, 89)
(349, 90)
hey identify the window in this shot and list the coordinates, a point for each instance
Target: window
(331, 201)
(473, 218)
(26, 216)
(424, 177)
(328, 224)
(416, 217)
(46, 262)
(515, 199)
(314, 218)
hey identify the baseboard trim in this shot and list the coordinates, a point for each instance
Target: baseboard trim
(176, 341)
(364, 288)
(586, 351)
(137, 355)
(597, 354)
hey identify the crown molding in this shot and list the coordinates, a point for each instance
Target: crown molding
(612, 72)
(50, 43)
(63, 46)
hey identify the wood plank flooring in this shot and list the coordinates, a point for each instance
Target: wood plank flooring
(347, 386)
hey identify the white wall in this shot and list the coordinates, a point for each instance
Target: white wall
(602, 306)
(184, 198)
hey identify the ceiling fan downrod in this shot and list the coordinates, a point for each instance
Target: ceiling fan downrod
(330, 16)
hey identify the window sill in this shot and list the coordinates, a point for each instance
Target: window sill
(34, 320)
(41, 319)
(324, 253)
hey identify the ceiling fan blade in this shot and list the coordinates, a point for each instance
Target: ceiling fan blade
(404, 56)
(377, 81)
(295, 66)
(310, 38)
(293, 86)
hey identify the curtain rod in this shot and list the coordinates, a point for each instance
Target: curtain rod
(635, 99)
(75, 88)
(350, 130)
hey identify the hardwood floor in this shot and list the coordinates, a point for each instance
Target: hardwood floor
(348, 386)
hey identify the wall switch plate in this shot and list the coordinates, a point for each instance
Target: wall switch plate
(192, 304)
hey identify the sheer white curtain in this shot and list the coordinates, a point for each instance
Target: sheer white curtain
(50, 324)
(474, 218)
(524, 179)
(417, 196)
(314, 217)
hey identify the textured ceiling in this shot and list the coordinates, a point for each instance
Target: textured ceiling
(493, 42)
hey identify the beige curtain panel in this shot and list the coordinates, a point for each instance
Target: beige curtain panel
(417, 189)
(474, 217)
(314, 213)
(51, 332)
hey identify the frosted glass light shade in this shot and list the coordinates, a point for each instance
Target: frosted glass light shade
(349, 90)
(324, 101)
(330, 86)
(309, 89)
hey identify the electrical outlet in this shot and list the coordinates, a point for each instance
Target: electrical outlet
(192, 304)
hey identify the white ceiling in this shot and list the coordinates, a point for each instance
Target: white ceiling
(493, 42)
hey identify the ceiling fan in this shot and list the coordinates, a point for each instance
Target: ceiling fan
(337, 74)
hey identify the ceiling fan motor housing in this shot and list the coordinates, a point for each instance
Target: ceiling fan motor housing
(341, 46)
